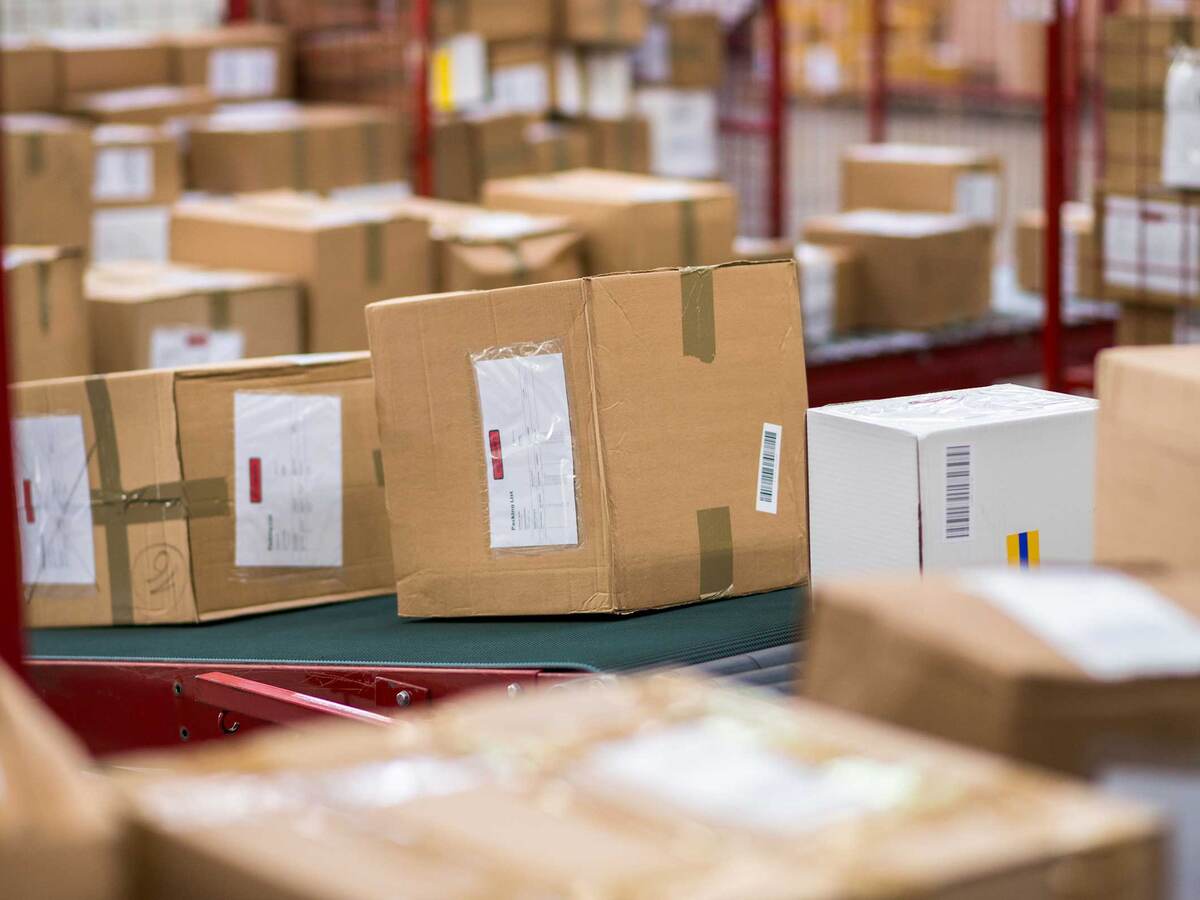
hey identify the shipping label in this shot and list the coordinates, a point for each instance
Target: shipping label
(243, 71)
(123, 173)
(977, 196)
(192, 345)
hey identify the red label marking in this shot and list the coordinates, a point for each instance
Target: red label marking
(255, 479)
(27, 488)
(497, 459)
(197, 339)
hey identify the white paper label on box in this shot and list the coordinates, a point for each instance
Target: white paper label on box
(528, 451)
(54, 502)
(1070, 260)
(977, 196)
(521, 89)
(243, 71)
(653, 56)
(460, 77)
(768, 469)
(822, 69)
(288, 479)
(1152, 245)
(1110, 625)
(723, 772)
(568, 84)
(958, 492)
(123, 173)
(818, 291)
(139, 232)
(683, 131)
(609, 84)
(191, 345)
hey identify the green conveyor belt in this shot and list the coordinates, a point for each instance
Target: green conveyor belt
(368, 632)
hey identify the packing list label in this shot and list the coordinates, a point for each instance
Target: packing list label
(123, 173)
(187, 345)
(242, 71)
(977, 196)
(288, 479)
(54, 509)
(527, 450)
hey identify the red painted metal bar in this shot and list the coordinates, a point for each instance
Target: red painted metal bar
(1053, 197)
(237, 11)
(1071, 57)
(243, 696)
(877, 89)
(777, 117)
(422, 155)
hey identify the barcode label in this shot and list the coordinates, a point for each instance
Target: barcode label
(768, 469)
(958, 492)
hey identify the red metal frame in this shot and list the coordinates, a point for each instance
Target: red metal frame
(776, 128)
(878, 87)
(422, 155)
(1054, 194)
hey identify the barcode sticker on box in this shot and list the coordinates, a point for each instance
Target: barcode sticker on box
(768, 469)
(123, 173)
(242, 71)
(527, 447)
(54, 503)
(958, 492)
(288, 479)
(192, 345)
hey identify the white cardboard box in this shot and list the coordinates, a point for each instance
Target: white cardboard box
(951, 479)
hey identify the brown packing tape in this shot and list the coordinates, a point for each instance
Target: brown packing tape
(373, 237)
(520, 269)
(612, 19)
(300, 160)
(562, 157)
(715, 531)
(372, 138)
(199, 498)
(218, 310)
(35, 153)
(377, 458)
(625, 140)
(116, 538)
(43, 295)
(697, 315)
(687, 233)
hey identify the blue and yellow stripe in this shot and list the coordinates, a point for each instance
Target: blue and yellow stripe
(1024, 549)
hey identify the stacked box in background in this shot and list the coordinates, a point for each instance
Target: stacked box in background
(47, 318)
(151, 105)
(162, 315)
(195, 494)
(1080, 265)
(246, 62)
(28, 76)
(47, 181)
(138, 176)
(346, 255)
(500, 474)
(91, 61)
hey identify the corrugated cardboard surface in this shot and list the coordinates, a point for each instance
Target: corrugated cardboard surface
(47, 181)
(47, 317)
(1148, 433)
(167, 161)
(1079, 226)
(27, 76)
(105, 61)
(493, 20)
(557, 147)
(915, 280)
(670, 377)
(620, 144)
(632, 222)
(697, 50)
(151, 105)
(602, 21)
(128, 301)
(190, 52)
(346, 257)
(161, 476)
(871, 179)
(930, 656)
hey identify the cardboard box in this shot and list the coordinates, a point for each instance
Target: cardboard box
(480, 249)
(557, 147)
(829, 290)
(190, 507)
(346, 256)
(318, 148)
(1146, 490)
(1000, 474)
(1149, 246)
(1137, 54)
(89, 61)
(455, 176)
(47, 318)
(1080, 267)
(521, 74)
(135, 165)
(27, 76)
(469, 150)
(918, 270)
(622, 145)
(683, 50)
(923, 178)
(125, 233)
(154, 105)
(756, 249)
(238, 62)
(47, 181)
(165, 315)
(493, 20)
(594, 82)
(54, 809)
(684, 141)
(601, 21)
(1133, 148)
(1142, 325)
(631, 222)
(597, 797)
(473, 538)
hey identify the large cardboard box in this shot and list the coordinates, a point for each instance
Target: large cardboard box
(148, 315)
(47, 318)
(455, 174)
(502, 474)
(238, 62)
(829, 290)
(622, 145)
(318, 148)
(631, 222)
(1001, 474)
(135, 165)
(188, 495)
(595, 795)
(60, 837)
(47, 181)
(917, 270)
(683, 50)
(923, 178)
(1147, 493)
(27, 76)
(557, 147)
(1138, 47)
(89, 61)
(1089, 671)
(1133, 147)
(480, 249)
(1080, 266)
(1149, 246)
(346, 255)
(493, 20)
(154, 105)
(521, 75)
(601, 21)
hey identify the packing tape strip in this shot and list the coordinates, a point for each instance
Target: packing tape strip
(43, 295)
(612, 19)
(35, 153)
(197, 498)
(625, 140)
(715, 531)
(218, 310)
(116, 538)
(562, 154)
(520, 268)
(372, 138)
(374, 249)
(300, 160)
(698, 315)
(377, 458)
(689, 241)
